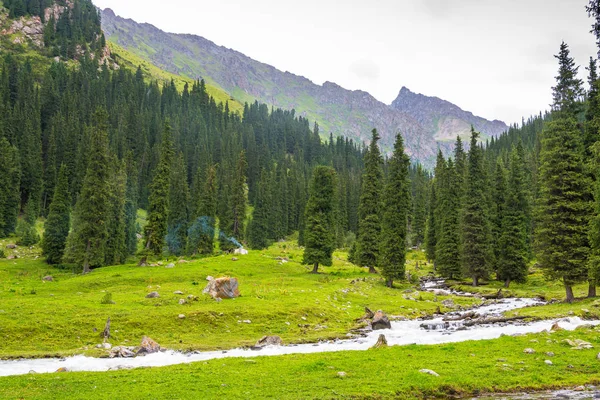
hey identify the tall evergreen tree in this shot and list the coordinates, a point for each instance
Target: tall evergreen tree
(202, 232)
(395, 215)
(179, 198)
(131, 204)
(369, 222)
(116, 251)
(58, 224)
(87, 241)
(476, 235)
(319, 235)
(512, 243)
(259, 226)
(499, 206)
(568, 92)
(10, 180)
(156, 229)
(430, 232)
(447, 251)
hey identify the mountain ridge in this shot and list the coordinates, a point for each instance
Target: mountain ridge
(426, 123)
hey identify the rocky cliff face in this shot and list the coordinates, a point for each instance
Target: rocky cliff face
(426, 123)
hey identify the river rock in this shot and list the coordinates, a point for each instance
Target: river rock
(152, 295)
(222, 288)
(182, 302)
(381, 342)
(181, 316)
(121, 352)
(178, 292)
(380, 321)
(148, 346)
(550, 354)
(548, 362)
(429, 372)
(268, 341)
(449, 303)
(556, 327)
(62, 369)
(529, 351)
(48, 278)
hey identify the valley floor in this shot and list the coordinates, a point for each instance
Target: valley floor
(279, 297)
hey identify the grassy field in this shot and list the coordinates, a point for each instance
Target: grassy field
(65, 316)
(469, 368)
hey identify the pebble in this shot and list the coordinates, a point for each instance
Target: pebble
(429, 372)
(181, 316)
(550, 354)
(548, 362)
(178, 292)
(342, 374)
(529, 351)
(182, 301)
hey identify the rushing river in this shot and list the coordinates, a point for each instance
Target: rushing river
(432, 331)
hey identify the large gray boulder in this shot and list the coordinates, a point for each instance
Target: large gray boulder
(380, 321)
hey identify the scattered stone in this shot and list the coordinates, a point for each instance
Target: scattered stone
(143, 262)
(182, 302)
(192, 297)
(171, 265)
(268, 341)
(550, 354)
(148, 346)
(342, 374)
(529, 351)
(247, 321)
(240, 251)
(62, 369)
(303, 318)
(429, 372)
(183, 261)
(222, 288)
(12, 257)
(598, 356)
(380, 321)
(48, 278)
(381, 342)
(235, 259)
(152, 295)
(106, 346)
(11, 246)
(548, 362)
(578, 344)
(448, 303)
(181, 316)
(179, 292)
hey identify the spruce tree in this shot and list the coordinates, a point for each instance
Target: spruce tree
(594, 229)
(430, 231)
(116, 251)
(10, 181)
(319, 234)
(258, 228)
(58, 224)
(86, 243)
(179, 197)
(564, 206)
(156, 229)
(568, 92)
(476, 236)
(202, 232)
(369, 222)
(131, 204)
(447, 250)
(395, 215)
(512, 243)
(498, 206)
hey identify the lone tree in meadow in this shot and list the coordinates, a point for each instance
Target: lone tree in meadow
(156, 229)
(56, 228)
(396, 204)
(564, 206)
(369, 209)
(319, 235)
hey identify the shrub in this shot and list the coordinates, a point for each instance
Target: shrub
(107, 299)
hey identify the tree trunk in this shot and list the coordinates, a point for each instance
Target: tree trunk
(390, 283)
(475, 281)
(315, 269)
(86, 262)
(592, 289)
(372, 270)
(507, 283)
(570, 296)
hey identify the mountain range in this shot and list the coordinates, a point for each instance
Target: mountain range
(426, 123)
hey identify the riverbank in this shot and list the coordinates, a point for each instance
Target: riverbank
(466, 369)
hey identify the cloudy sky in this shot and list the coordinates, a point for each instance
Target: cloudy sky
(494, 58)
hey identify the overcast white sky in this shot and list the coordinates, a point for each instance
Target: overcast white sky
(491, 57)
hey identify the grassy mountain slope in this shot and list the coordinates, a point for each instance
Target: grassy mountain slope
(343, 112)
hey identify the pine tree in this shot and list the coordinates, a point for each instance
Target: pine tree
(202, 233)
(10, 181)
(395, 215)
(447, 251)
(319, 235)
(179, 198)
(58, 224)
(498, 206)
(131, 202)
(564, 206)
(430, 231)
(476, 235)
(87, 241)
(116, 251)
(156, 229)
(594, 229)
(369, 223)
(512, 244)
(419, 207)
(568, 92)
(258, 228)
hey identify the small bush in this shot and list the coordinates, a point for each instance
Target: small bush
(107, 299)
(2, 253)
